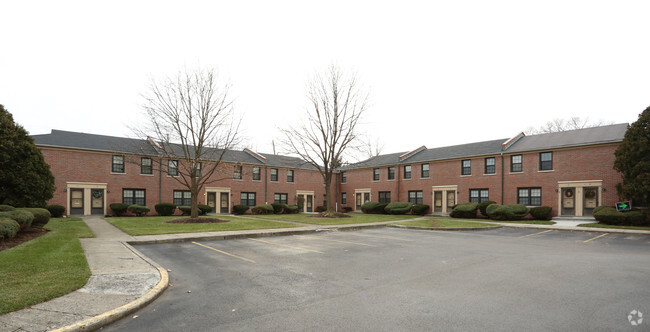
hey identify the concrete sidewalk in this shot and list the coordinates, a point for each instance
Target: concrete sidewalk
(123, 280)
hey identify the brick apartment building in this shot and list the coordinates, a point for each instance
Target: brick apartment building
(570, 171)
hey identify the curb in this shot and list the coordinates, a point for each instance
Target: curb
(108, 317)
(579, 229)
(447, 228)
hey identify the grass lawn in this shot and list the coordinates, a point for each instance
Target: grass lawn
(615, 226)
(46, 267)
(443, 223)
(357, 218)
(157, 225)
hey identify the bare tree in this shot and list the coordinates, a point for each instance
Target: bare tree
(370, 148)
(191, 123)
(558, 124)
(336, 105)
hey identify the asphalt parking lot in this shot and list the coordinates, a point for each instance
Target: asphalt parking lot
(389, 279)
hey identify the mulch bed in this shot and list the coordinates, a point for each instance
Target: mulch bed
(196, 221)
(333, 215)
(22, 237)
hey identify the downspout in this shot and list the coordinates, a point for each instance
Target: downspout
(266, 184)
(502, 178)
(160, 181)
(399, 180)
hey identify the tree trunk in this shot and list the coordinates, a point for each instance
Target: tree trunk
(195, 200)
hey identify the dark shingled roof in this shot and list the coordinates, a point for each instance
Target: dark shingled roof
(587, 136)
(579, 137)
(75, 140)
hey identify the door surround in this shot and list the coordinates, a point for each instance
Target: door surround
(87, 196)
(306, 193)
(579, 186)
(445, 191)
(217, 193)
(361, 192)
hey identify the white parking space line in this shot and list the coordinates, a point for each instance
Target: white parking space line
(550, 230)
(597, 237)
(284, 245)
(330, 240)
(225, 253)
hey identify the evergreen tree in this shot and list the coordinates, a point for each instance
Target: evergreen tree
(25, 177)
(633, 161)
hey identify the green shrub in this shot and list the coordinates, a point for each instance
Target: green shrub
(56, 211)
(5, 208)
(507, 212)
(291, 209)
(204, 209)
(22, 217)
(347, 209)
(541, 212)
(119, 208)
(635, 217)
(165, 209)
(8, 228)
(374, 208)
(483, 206)
(398, 208)
(279, 208)
(321, 208)
(464, 210)
(599, 208)
(41, 216)
(239, 209)
(608, 215)
(186, 209)
(262, 209)
(138, 210)
(420, 209)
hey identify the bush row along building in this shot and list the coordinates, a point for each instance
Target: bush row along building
(570, 171)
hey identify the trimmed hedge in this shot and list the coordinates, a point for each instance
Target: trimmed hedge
(321, 208)
(6, 208)
(507, 212)
(262, 209)
(608, 215)
(541, 212)
(420, 209)
(398, 208)
(239, 209)
(8, 228)
(291, 209)
(186, 209)
(483, 206)
(464, 210)
(165, 209)
(599, 208)
(374, 208)
(204, 209)
(119, 208)
(41, 216)
(347, 209)
(56, 211)
(279, 208)
(23, 218)
(138, 210)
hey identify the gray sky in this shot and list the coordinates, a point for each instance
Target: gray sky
(439, 72)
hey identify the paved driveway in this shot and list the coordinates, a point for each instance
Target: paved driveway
(390, 279)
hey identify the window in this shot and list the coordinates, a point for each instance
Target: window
(344, 177)
(281, 198)
(134, 196)
(516, 163)
(198, 170)
(478, 195)
(237, 173)
(118, 164)
(546, 161)
(344, 198)
(407, 171)
(248, 199)
(173, 168)
(182, 198)
(256, 173)
(375, 174)
(145, 166)
(290, 175)
(466, 167)
(391, 173)
(489, 165)
(425, 171)
(384, 197)
(529, 196)
(415, 197)
(274, 174)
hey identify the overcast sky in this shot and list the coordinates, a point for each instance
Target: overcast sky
(438, 72)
